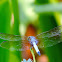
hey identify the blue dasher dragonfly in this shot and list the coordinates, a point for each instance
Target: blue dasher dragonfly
(42, 40)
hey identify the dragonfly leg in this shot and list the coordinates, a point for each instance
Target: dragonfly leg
(31, 47)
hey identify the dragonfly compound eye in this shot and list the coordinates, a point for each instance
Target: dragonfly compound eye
(29, 39)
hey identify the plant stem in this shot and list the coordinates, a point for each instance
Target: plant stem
(33, 55)
(48, 8)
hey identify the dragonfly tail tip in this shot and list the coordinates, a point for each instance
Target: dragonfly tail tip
(39, 53)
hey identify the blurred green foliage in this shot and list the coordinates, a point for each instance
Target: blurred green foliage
(5, 20)
(46, 22)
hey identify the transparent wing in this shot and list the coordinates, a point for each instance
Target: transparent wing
(10, 37)
(15, 45)
(48, 42)
(50, 38)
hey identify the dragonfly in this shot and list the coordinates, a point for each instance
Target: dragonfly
(42, 40)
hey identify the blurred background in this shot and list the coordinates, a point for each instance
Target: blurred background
(30, 17)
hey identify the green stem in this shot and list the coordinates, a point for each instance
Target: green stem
(48, 8)
(33, 54)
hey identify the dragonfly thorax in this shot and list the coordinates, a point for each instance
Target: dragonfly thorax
(32, 39)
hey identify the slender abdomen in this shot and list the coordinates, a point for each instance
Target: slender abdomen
(36, 48)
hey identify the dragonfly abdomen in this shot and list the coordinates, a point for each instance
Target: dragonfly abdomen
(36, 48)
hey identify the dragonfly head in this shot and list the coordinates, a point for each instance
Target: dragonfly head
(31, 39)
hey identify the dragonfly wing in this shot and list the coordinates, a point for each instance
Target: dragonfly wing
(11, 37)
(51, 37)
(48, 42)
(53, 32)
(14, 45)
